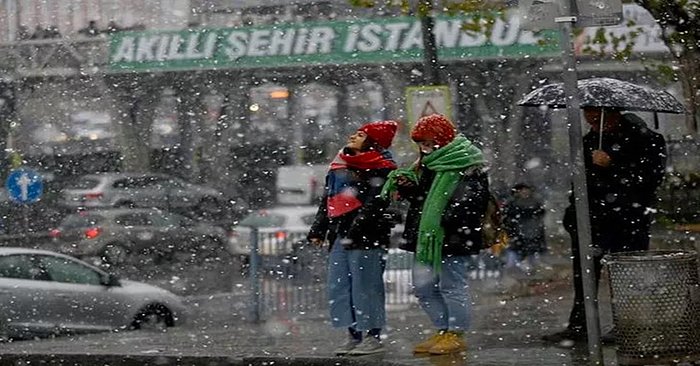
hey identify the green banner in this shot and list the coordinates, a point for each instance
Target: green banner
(381, 40)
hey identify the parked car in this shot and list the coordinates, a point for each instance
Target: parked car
(45, 293)
(141, 190)
(279, 228)
(116, 235)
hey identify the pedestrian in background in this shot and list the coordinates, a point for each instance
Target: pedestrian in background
(523, 220)
(625, 163)
(352, 218)
(447, 191)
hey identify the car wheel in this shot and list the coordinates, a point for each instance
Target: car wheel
(115, 254)
(154, 317)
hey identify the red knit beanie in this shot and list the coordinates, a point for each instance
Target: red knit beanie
(381, 132)
(434, 127)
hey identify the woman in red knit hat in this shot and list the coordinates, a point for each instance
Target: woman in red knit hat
(447, 189)
(351, 217)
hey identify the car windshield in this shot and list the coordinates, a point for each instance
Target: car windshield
(81, 221)
(84, 183)
(263, 219)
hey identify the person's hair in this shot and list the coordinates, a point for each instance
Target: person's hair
(370, 144)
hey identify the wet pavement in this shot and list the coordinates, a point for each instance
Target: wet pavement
(509, 317)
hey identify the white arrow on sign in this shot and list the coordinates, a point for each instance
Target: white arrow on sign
(24, 182)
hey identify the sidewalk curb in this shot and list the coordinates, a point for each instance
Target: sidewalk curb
(153, 360)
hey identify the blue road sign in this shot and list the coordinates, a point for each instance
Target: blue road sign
(24, 185)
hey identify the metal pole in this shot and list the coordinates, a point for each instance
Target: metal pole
(430, 57)
(583, 224)
(253, 273)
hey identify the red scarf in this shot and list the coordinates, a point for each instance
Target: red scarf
(342, 192)
(372, 159)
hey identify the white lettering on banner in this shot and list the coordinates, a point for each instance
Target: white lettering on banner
(300, 44)
(125, 51)
(414, 38)
(447, 33)
(258, 43)
(469, 40)
(505, 34)
(369, 38)
(174, 51)
(351, 41)
(236, 45)
(162, 49)
(191, 52)
(210, 45)
(281, 42)
(145, 49)
(321, 40)
(395, 30)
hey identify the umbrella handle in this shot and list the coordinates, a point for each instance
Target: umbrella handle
(602, 120)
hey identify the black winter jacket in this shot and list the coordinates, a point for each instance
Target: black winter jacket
(619, 194)
(462, 217)
(367, 227)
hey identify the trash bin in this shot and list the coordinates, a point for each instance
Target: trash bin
(655, 306)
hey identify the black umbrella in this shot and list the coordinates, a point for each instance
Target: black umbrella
(610, 93)
(606, 92)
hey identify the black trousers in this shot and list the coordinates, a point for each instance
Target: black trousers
(611, 237)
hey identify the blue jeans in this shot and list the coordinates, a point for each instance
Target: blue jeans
(444, 296)
(356, 288)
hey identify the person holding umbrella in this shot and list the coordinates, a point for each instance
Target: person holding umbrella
(625, 163)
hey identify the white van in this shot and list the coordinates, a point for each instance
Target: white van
(300, 184)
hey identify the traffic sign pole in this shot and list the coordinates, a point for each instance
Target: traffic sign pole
(583, 223)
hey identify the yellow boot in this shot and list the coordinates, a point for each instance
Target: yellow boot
(449, 343)
(426, 345)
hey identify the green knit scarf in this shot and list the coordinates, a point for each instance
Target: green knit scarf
(448, 163)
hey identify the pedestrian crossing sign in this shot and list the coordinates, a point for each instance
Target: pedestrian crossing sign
(426, 100)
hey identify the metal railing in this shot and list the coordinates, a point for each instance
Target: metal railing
(288, 276)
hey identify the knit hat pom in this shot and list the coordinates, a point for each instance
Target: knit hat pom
(381, 132)
(434, 127)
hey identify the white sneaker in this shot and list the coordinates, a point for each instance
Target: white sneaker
(369, 345)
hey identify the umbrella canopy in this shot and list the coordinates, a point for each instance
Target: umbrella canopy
(606, 92)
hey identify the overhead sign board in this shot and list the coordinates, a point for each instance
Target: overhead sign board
(376, 40)
(426, 100)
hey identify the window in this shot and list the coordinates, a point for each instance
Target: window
(135, 182)
(67, 271)
(21, 267)
(141, 219)
(263, 219)
(81, 221)
(308, 219)
(85, 183)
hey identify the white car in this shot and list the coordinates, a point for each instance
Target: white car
(44, 293)
(279, 228)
